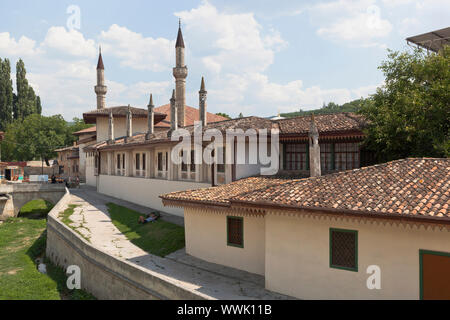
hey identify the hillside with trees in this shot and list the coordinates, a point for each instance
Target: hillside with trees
(331, 107)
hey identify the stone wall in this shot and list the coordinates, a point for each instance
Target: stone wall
(105, 276)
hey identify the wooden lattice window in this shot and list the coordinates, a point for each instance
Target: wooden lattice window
(295, 156)
(235, 231)
(346, 156)
(344, 249)
(327, 156)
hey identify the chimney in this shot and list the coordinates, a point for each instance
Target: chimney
(202, 104)
(173, 113)
(129, 120)
(150, 118)
(314, 149)
(111, 128)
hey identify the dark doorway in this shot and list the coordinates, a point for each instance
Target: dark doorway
(8, 174)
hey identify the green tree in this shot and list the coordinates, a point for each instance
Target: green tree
(25, 102)
(241, 115)
(410, 115)
(35, 137)
(223, 115)
(38, 105)
(6, 94)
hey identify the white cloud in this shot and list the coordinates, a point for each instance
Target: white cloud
(69, 42)
(136, 51)
(10, 47)
(357, 23)
(235, 40)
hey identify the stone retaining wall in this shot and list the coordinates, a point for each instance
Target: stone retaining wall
(103, 275)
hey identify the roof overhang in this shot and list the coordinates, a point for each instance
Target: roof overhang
(433, 41)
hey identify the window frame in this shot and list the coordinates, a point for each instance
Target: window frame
(242, 232)
(292, 164)
(355, 232)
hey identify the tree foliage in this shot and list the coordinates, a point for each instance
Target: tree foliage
(38, 136)
(6, 94)
(223, 115)
(410, 115)
(331, 107)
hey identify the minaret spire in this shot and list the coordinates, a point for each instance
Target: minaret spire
(202, 104)
(180, 73)
(100, 88)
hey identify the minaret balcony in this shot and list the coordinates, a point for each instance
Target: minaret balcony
(180, 72)
(100, 89)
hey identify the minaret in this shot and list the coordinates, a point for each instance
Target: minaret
(100, 88)
(173, 113)
(180, 73)
(129, 120)
(314, 149)
(111, 128)
(202, 104)
(150, 118)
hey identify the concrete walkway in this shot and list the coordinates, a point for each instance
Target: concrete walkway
(92, 220)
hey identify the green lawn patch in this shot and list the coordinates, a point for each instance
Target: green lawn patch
(35, 209)
(159, 238)
(22, 241)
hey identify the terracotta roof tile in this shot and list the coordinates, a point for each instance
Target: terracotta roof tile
(409, 187)
(326, 123)
(221, 194)
(191, 115)
(87, 130)
(120, 111)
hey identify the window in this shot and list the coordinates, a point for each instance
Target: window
(235, 232)
(118, 161)
(296, 156)
(167, 160)
(184, 166)
(192, 160)
(143, 162)
(346, 156)
(326, 156)
(138, 161)
(160, 161)
(221, 159)
(344, 249)
(123, 161)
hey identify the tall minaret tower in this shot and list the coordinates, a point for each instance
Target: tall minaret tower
(100, 88)
(202, 104)
(180, 73)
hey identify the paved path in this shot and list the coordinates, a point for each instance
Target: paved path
(217, 282)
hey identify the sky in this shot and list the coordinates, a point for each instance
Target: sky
(258, 57)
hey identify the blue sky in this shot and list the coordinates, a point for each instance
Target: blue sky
(258, 57)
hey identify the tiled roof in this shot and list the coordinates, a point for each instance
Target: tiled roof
(191, 115)
(162, 136)
(220, 195)
(411, 188)
(326, 123)
(87, 130)
(120, 111)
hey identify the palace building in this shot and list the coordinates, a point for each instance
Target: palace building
(131, 158)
